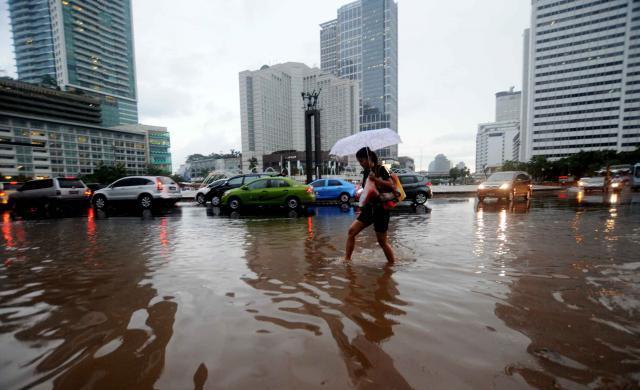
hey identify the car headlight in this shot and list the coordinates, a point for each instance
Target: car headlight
(481, 186)
(505, 186)
(581, 183)
(615, 185)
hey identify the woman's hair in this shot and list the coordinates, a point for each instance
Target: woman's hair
(366, 153)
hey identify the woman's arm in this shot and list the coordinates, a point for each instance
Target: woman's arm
(382, 183)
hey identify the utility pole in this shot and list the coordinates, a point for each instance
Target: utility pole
(312, 133)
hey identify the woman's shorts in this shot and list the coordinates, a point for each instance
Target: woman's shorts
(375, 215)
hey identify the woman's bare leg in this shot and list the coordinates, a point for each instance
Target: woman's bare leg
(355, 228)
(386, 248)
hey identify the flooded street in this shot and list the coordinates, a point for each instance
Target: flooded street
(540, 295)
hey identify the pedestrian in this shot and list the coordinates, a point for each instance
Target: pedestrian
(373, 212)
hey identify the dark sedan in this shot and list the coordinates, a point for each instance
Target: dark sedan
(215, 194)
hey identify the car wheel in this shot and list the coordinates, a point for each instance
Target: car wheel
(215, 201)
(145, 201)
(344, 197)
(200, 198)
(234, 203)
(421, 198)
(293, 203)
(100, 202)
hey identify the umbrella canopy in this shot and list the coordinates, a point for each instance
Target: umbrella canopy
(374, 139)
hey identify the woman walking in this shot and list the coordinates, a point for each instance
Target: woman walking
(373, 212)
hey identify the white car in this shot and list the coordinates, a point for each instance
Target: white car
(145, 191)
(591, 183)
(200, 199)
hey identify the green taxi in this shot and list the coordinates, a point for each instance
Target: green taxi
(269, 191)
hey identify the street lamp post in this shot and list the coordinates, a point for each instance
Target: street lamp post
(312, 135)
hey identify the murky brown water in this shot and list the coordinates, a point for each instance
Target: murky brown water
(496, 297)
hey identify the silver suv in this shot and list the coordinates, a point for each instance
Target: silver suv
(50, 192)
(145, 191)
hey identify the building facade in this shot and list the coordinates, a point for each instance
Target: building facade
(499, 141)
(201, 168)
(272, 115)
(508, 105)
(40, 147)
(496, 142)
(583, 77)
(158, 141)
(85, 46)
(362, 44)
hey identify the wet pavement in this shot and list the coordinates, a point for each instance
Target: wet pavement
(544, 294)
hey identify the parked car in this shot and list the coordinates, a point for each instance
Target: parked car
(588, 184)
(269, 191)
(50, 194)
(200, 194)
(215, 194)
(508, 185)
(6, 189)
(333, 189)
(417, 187)
(144, 191)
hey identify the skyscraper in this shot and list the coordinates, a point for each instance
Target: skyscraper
(583, 77)
(272, 115)
(362, 44)
(81, 45)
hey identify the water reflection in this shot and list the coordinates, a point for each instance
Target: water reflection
(313, 292)
(84, 313)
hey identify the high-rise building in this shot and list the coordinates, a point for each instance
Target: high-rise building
(499, 141)
(524, 107)
(272, 115)
(86, 46)
(583, 77)
(508, 105)
(362, 44)
(496, 143)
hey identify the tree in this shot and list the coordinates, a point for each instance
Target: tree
(106, 174)
(155, 171)
(177, 178)
(454, 173)
(195, 157)
(513, 166)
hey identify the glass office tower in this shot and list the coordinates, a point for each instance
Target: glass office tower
(85, 46)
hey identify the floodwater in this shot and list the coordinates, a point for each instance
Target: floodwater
(541, 295)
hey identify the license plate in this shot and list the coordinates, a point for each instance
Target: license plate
(73, 192)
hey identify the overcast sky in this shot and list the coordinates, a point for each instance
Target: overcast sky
(453, 56)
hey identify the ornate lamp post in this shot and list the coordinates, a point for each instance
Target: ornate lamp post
(311, 111)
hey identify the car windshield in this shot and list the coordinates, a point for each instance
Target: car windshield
(70, 183)
(501, 176)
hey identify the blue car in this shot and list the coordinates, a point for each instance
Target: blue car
(333, 189)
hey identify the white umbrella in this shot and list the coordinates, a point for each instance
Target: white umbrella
(374, 139)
